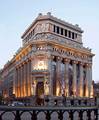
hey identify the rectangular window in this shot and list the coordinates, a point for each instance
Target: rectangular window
(33, 32)
(75, 35)
(61, 31)
(72, 35)
(69, 34)
(65, 32)
(54, 28)
(57, 29)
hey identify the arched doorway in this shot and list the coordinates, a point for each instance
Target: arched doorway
(40, 93)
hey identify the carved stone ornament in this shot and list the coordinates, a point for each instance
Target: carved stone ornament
(42, 27)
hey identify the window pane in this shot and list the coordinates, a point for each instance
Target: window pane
(65, 32)
(54, 29)
(69, 34)
(57, 29)
(61, 31)
(72, 35)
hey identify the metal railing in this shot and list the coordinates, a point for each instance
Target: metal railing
(62, 113)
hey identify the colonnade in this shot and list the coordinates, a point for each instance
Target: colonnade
(23, 79)
(83, 88)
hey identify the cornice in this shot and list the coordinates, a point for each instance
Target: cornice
(49, 37)
(23, 49)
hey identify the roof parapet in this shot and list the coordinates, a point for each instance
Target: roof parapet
(51, 17)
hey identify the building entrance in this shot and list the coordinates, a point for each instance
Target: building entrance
(40, 93)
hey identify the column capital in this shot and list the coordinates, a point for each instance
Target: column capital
(75, 62)
(66, 60)
(52, 57)
(24, 62)
(59, 58)
(81, 63)
(29, 58)
(88, 65)
(18, 66)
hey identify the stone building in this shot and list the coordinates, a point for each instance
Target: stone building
(96, 89)
(52, 61)
(8, 76)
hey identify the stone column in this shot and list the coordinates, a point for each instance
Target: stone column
(58, 77)
(67, 77)
(74, 78)
(30, 75)
(81, 80)
(20, 79)
(28, 82)
(87, 80)
(26, 85)
(16, 82)
(90, 79)
(24, 79)
(59, 30)
(64, 32)
(50, 76)
(55, 29)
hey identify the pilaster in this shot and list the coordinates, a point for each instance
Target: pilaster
(50, 75)
(20, 80)
(58, 84)
(74, 78)
(81, 80)
(66, 77)
(26, 85)
(87, 80)
(90, 79)
(16, 83)
(28, 82)
(24, 79)
(22, 92)
(30, 76)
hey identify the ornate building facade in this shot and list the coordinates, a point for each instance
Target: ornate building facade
(52, 61)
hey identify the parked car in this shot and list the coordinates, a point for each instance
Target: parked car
(16, 103)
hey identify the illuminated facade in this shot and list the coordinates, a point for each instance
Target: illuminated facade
(52, 60)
